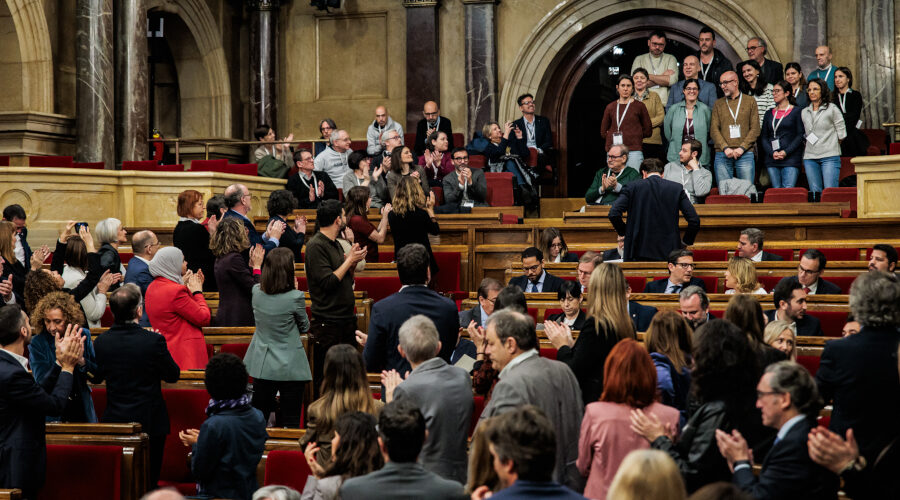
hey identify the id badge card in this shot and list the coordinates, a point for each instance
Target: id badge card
(734, 131)
(468, 204)
(858, 123)
(811, 138)
(617, 139)
(776, 145)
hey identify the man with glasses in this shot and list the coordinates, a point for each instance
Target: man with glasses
(757, 50)
(309, 188)
(334, 160)
(239, 204)
(809, 274)
(532, 131)
(377, 129)
(586, 264)
(144, 244)
(662, 67)
(433, 122)
(390, 140)
(691, 68)
(608, 184)
(464, 187)
(734, 129)
(712, 62)
(535, 279)
(681, 275)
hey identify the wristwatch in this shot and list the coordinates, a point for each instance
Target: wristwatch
(857, 465)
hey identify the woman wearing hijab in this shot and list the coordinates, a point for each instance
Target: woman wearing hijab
(176, 307)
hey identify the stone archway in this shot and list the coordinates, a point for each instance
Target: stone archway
(546, 44)
(202, 25)
(36, 55)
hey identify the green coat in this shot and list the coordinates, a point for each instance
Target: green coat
(269, 166)
(276, 352)
(592, 196)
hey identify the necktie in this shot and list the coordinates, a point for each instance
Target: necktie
(806, 289)
(677, 288)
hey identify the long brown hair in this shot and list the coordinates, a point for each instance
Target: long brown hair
(745, 312)
(7, 249)
(357, 452)
(670, 334)
(231, 236)
(356, 200)
(409, 196)
(608, 303)
(547, 237)
(397, 161)
(345, 387)
(278, 272)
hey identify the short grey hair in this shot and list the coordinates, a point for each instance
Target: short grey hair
(386, 137)
(334, 135)
(508, 323)
(755, 236)
(695, 290)
(623, 149)
(875, 299)
(419, 338)
(276, 492)
(107, 230)
(789, 377)
(762, 43)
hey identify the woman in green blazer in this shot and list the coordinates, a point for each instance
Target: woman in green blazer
(689, 115)
(275, 358)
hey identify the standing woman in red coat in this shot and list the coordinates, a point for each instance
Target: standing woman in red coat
(176, 307)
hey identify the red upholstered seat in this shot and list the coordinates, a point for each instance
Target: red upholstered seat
(509, 219)
(125, 256)
(438, 195)
(209, 165)
(711, 283)
(836, 253)
(710, 255)
(238, 350)
(83, 471)
(786, 195)
(386, 257)
(842, 281)
(459, 140)
(409, 140)
(769, 282)
(449, 263)
(477, 161)
(358, 146)
(151, 166)
(894, 148)
(811, 363)
(242, 169)
(187, 410)
(532, 157)
(847, 168)
(533, 312)
(832, 321)
(341, 194)
(98, 396)
(94, 165)
(499, 189)
(727, 199)
(551, 312)
(107, 319)
(287, 468)
(477, 408)
(637, 283)
(4, 161)
(784, 253)
(840, 194)
(877, 138)
(548, 352)
(378, 287)
(824, 420)
(570, 278)
(302, 284)
(50, 161)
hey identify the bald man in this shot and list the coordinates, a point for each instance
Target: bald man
(691, 69)
(382, 124)
(432, 122)
(144, 244)
(824, 69)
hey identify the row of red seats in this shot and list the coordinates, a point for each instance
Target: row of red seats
(786, 195)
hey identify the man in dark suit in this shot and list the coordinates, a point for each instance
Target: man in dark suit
(464, 187)
(681, 269)
(414, 297)
(443, 394)
(133, 361)
(535, 279)
(615, 254)
(790, 306)
(757, 49)
(239, 203)
(809, 274)
(535, 132)
(652, 205)
(859, 372)
(694, 305)
(308, 187)
(144, 244)
(788, 398)
(16, 214)
(750, 246)
(433, 122)
(24, 404)
(488, 291)
(401, 434)
(641, 315)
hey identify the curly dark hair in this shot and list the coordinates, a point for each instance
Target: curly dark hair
(725, 366)
(281, 203)
(226, 377)
(38, 283)
(357, 453)
(56, 300)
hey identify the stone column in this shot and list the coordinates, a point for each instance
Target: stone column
(131, 106)
(876, 62)
(423, 71)
(481, 63)
(810, 31)
(94, 83)
(263, 61)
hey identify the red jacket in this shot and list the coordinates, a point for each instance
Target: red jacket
(179, 317)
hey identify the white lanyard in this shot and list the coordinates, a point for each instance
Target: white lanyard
(688, 122)
(796, 91)
(775, 124)
(619, 120)
(735, 114)
(653, 66)
(303, 180)
(842, 100)
(830, 67)
(704, 71)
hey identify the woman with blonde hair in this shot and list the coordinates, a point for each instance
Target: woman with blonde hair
(740, 277)
(608, 322)
(669, 342)
(345, 388)
(233, 276)
(781, 336)
(648, 474)
(412, 218)
(554, 247)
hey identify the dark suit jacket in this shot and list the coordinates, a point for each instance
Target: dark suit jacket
(290, 239)
(543, 135)
(422, 129)
(809, 326)
(401, 481)
(823, 288)
(720, 64)
(577, 325)
(23, 237)
(773, 71)
(389, 313)
(301, 192)
(133, 361)
(611, 254)
(770, 257)
(859, 373)
(138, 272)
(542, 490)
(476, 190)
(255, 238)
(467, 316)
(788, 472)
(641, 315)
(551, 283)
(235, 281)
(23, 406)
(652, 205)
(660, 285)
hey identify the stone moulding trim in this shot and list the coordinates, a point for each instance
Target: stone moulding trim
(33, 35)
(421, 3)
(549, 37)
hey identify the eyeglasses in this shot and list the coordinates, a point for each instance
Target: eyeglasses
(532, 268)
(326, 127)
(727, 82)
(556, 245)
(691, 89)
(526, 103)
(613, 157)
(460, 158)
(752, 48)
(806, 271)
(686, 265)
(761, 394)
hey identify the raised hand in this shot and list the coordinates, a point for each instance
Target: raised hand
(361, 338)
(212, 224)
(312, 449)
(321, 189)
(70, 347)
(476, 334)
(830, 451)
(85, 234)
(380, 169)
(390, 380)
(300, 224)
(312, 193)
(189, 437)
(39, 256)
(647, 425)
(386, 209)
(429, 202)
(257, 254)
(6, 289)
(559, 334)
(108, 279)
(66, 232)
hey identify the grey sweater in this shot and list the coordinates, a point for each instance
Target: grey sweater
(696, 182)
(827, 124)
(334, 164)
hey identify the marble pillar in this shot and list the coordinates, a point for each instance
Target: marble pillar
(263, 62)
(131, 107)
(810, 31)
(876, 62)
(481, 63)
(94, 84)
(423, 69)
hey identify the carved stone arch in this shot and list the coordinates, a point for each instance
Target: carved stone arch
(202, 25)
(535, 62)
(36, 54)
